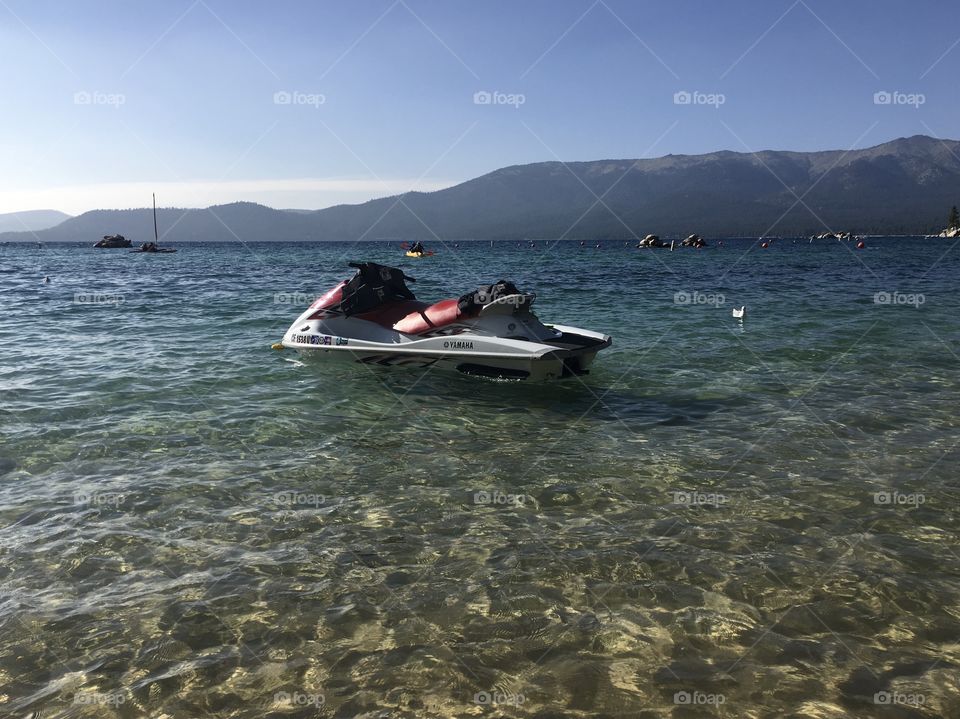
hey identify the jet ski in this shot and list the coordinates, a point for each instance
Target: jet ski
(374, 319)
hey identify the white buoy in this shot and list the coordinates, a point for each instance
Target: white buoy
(739, 312)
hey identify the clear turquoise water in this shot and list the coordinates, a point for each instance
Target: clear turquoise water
(153, 563)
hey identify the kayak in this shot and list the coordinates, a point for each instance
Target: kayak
(419, 254)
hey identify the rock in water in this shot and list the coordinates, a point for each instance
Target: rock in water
(559, 495)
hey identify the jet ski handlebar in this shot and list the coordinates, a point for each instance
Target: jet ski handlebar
(363, 265)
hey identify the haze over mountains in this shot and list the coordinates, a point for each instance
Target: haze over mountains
(29, 220)
(903, 186)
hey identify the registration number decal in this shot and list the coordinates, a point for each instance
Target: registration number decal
(303, 339)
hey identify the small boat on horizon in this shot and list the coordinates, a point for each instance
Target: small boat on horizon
(694, 241)
(416, 250)
(651, 241)
(152, 247)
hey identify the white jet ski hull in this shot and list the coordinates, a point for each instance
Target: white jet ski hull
(503, 339)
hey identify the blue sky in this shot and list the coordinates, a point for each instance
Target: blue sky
(309, 104)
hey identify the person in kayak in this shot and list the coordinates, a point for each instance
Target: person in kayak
(417, 247)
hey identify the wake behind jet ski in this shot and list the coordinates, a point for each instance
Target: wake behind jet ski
(374, 318)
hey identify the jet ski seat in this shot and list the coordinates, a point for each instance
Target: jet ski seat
(378, 294)
(433, 317)
(389, 314)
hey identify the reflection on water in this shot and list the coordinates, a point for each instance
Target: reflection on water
(721, 520)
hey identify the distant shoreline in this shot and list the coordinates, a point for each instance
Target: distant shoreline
(540, 240)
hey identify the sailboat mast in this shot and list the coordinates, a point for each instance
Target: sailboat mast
(155, 237)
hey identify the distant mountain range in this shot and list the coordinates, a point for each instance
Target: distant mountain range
(31, 220)
(904, 186)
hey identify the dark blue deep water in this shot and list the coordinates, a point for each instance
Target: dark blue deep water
(725, 518)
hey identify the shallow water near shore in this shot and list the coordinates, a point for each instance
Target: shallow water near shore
(724, 518)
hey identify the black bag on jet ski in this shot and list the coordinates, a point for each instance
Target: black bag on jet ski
(372, 286)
